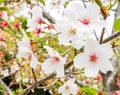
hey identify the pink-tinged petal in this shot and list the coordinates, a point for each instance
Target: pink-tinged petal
(37, 12)
(105, 51)
(92, 70)
(23, 54)
(78, 43)
(65, 93)
(70, 81)
(64, 39)
(80, 60)
(74, 11)
(90, 46)
(50, 51)
(33, 62)
(32, 24)
(62, 26)
(47, 66)
(59, 68)
(23, 49)
(99, 24)
(93, 11)
(73, 89)
(105, 66)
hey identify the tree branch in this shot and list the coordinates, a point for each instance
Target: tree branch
(48, 17)
(27, 90)
(7, 88)
(111, 37)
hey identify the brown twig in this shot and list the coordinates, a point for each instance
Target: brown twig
(33, 74)
(48, 17)
(27, 90)
(102, 35)
(111, 37)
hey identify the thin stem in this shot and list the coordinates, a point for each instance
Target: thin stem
(96, 35)
(84, 4)
(7, 88)
(102, 35)
(27, 90)
(42, 87)
(33, 74)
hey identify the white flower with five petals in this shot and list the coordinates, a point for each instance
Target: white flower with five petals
(95, 58)
(68, 88)
(87, 19)
(68, 33)
(55, 63)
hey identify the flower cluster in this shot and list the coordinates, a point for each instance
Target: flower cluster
(78, 23)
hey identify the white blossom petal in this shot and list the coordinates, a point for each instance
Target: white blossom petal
(36, 12)
(33, 62)
(47, 66)
(59, 68)
(92, 70)
(80, 60)
(105, 66)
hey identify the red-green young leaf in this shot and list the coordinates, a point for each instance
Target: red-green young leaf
(42, 2)
(117, 25)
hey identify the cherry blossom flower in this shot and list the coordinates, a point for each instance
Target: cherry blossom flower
(68, 32)
(36, 19)
(87, 19)
(94, 58)
(55, 63)
(68, 88)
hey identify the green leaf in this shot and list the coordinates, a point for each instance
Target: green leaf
(42, 2)
(24, 24)
(4, 8)
(117, 25)
(89, 90)
(1, 1)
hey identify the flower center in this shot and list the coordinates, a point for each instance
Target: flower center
(67, 87)
(85, 20)
(72, 31)
(38, 31)
(93, 58)
(55, 59)
(40, 21)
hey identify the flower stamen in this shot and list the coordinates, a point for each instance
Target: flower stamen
(72, 31)
(93, 58)
(55, 59)
(84, 21)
